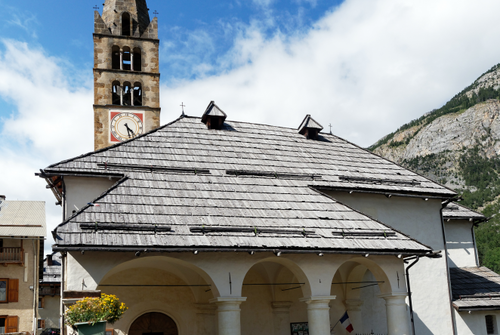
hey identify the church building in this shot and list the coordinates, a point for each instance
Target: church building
(210, 226)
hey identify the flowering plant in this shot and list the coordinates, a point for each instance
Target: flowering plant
(91, 310)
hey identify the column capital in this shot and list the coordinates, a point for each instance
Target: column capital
(318, 299)
(394, 297)
(227, 300)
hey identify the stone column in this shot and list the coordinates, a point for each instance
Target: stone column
(205, 319)
(131, 94)
(318, 314)
(121, 59)
(397, 314)
(281, 317)
(354, 312)
(131, 61)
(228, 312)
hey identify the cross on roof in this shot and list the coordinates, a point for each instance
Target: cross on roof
(182, 105)
(155, 12)
(330, 125)
(96, 7)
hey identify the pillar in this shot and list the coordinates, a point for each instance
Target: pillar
(121, 59)
(228, 314)
(318, 314)
(131, 60)
(132, 94)
(281, 317)
(354, 311)
(397, 314)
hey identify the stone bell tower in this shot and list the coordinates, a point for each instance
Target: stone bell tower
(126, 72)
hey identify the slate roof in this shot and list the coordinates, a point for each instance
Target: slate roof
(475, 288)
(245, 186)
(52, 273)
(454, 211)
(22, 218)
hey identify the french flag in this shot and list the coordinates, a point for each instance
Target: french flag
(344, 320)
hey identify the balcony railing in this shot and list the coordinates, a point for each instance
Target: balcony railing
(11, 255)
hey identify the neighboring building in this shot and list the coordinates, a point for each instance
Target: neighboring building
(22, 233)
(475, 289)
(49, 302)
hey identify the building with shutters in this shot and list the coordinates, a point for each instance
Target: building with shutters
(22, 233)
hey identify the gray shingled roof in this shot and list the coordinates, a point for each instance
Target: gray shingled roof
(454, 211)
(476, 288)
(22, 218)
(52, 273)
(246, 186)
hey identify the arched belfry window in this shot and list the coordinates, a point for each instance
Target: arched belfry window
(127, 59)
(115, 58)
(127, 94)
(137, 63)
(116, 93)
(137, 94)
(126, 24)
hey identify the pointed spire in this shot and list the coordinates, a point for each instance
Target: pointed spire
(126, 17)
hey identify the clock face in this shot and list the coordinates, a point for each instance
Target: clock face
(126, 125)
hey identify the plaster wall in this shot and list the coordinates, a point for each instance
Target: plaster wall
(460, 244)
(25, 306)
(420, 220)
(50, 311)
(82, 190)
(474, 323)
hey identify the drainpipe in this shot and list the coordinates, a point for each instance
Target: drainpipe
(409, 293)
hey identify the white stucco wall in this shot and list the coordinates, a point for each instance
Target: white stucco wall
(420, 220)
(474, 323)
(82, 190)
(460, 243)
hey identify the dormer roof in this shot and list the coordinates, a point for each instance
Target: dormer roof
(213, 117)
(309, 123)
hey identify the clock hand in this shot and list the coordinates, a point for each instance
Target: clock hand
(130, 132)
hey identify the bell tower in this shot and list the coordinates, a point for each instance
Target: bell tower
(126, 72)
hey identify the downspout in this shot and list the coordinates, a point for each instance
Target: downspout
(62, 327)
(452, 311)
(409, 294)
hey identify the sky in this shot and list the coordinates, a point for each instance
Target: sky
(361, 67)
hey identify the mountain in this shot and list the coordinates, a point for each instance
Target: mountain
(458, 145)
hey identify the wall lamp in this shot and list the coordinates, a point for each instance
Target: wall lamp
(320, 254)
(137, 253)
(195, 252)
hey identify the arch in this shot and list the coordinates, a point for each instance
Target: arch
(137, 94)
(115, 57)
(126, 24)
(127, 94)
(116, 93)
(137, 63)
(154, 323)
(127, 59)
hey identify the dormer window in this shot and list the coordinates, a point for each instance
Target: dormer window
(310, 128)
(213, 117)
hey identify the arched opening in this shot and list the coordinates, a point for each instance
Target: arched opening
(153, 323)
(127, 60)
(273, 289)
(115, 58)
(116, 93)
(126, 24)
(137, 94)
(137, 60)
(358, 286)
(127, 94)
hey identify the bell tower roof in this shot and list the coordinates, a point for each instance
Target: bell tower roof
(131, 15)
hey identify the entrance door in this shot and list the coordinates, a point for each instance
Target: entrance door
(153, 324)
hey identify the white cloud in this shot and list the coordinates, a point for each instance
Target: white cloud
(53, 121)
(367, 67)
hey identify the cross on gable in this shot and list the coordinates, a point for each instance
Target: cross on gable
(155, 12)
(96, 7)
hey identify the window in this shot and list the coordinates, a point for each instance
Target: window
(137, 94)
(127, 94)
(126, 24)
(115, 58)
(41, 302)
(8, 324)
(2, 324)
(127, 61)
(137, 60)
(9, 290)
(41, 323)
(3, 290)
(491, 327)
(116, 94)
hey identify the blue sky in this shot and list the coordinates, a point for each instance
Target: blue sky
(364, 66)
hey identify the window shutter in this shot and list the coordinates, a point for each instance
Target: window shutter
(11, 324)
(13, 290)
(41, 323)
(42, 303)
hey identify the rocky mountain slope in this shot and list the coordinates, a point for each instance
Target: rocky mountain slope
(459, 145)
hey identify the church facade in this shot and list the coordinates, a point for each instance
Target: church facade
(208, 226)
